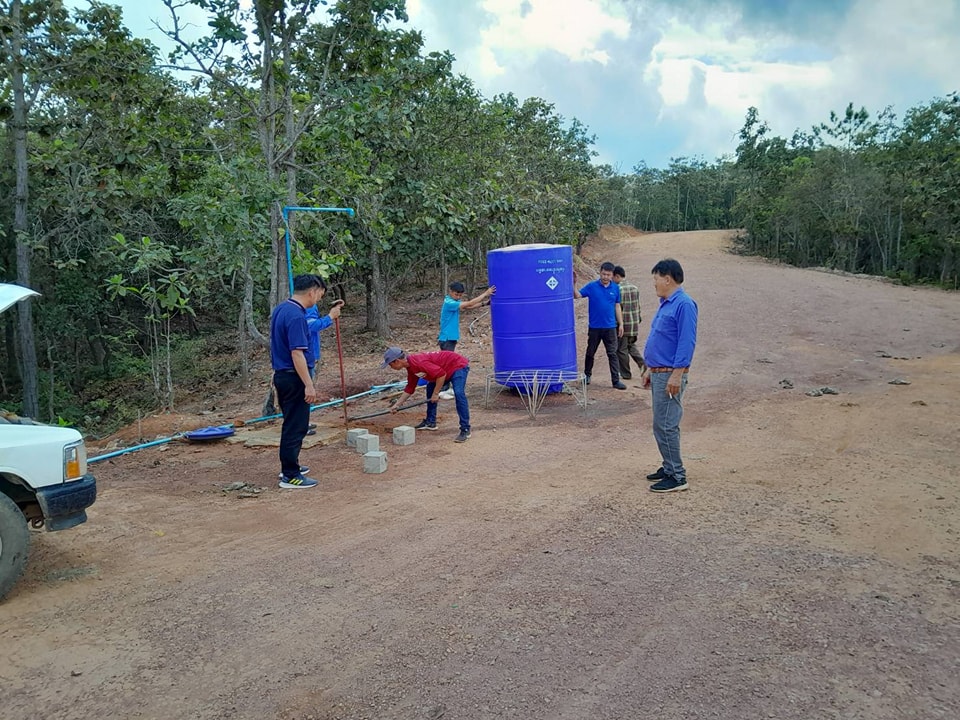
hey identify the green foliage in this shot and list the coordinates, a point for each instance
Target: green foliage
(295, 106)
(162, 289)
(860, 194)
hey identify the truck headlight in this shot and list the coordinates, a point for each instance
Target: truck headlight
(74, 461)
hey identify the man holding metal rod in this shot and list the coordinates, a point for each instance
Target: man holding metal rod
(293, 363)
(668, 354)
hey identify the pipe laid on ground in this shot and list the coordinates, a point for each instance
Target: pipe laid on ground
(372, 391)
(115, 453)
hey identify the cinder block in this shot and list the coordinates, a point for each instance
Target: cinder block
(375, 462)
(368, 443)
(404, 435)
(353, 434)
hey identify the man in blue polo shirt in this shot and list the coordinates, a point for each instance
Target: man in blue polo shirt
(668, 354)
(291, 359)
(315, 324)
(605, 322)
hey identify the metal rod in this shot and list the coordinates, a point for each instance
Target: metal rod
(343, 382)
(384, 412)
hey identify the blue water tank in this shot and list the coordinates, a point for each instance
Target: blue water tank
(531, 313)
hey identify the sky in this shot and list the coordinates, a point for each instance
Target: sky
(659, 79)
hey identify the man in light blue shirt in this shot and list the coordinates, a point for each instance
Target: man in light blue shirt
(668, 355)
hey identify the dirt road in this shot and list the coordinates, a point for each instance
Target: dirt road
(811, 571)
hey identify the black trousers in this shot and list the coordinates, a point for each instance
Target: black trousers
(296, 417)
(608, 336)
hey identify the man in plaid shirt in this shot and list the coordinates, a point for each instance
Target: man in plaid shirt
(630, 304)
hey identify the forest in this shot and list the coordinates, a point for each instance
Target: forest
(144, 192)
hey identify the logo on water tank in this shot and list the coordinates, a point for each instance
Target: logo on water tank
(552, 283)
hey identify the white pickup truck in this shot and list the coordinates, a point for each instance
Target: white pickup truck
(43, 477)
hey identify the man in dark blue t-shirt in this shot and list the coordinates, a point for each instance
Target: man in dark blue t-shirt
(291, 361)
(605, 322)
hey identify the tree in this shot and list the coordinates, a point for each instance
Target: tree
(259, 77)
(21, 35)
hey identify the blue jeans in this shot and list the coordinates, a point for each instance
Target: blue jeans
(458, 381)
(667, 413)
(450, 345)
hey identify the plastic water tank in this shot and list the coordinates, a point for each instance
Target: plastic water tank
(531, 313)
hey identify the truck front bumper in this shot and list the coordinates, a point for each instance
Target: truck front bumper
(65, 506)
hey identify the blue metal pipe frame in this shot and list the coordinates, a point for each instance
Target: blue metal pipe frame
(287, 209)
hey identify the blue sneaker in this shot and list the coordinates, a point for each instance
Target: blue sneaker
(303, 471)
(669, 484)
(295, 483)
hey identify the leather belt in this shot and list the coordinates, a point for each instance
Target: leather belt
(666, 369)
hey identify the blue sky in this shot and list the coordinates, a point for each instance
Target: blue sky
(655, 79)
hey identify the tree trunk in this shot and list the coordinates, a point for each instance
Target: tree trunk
(95, 342)
(477, 262)
(279, 278)
(267, 129)
(290, 150)
(377, 319)
(27, 345)
(9, 346)
(248, 302)
(168, 367)
(289, 128)
(51, 410)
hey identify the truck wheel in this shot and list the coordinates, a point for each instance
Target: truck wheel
(14, 541)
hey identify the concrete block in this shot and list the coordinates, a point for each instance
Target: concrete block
(368, 443)
(404, 435)
(375, 462)
(353, 434)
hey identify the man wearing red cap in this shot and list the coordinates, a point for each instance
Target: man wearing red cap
(436, 368)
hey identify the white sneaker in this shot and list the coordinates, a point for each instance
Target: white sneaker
(447, 395)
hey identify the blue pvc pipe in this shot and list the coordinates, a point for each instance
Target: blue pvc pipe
(372, 391)
(109, 455)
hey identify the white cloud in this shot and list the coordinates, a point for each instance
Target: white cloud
(571, 28)
(734, 74)
(887, 48)
(523, 29)
(654, 81)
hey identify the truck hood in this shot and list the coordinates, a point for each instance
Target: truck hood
(37, 436)
(10, 294)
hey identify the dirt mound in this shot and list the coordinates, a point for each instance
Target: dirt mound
(613, 232)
